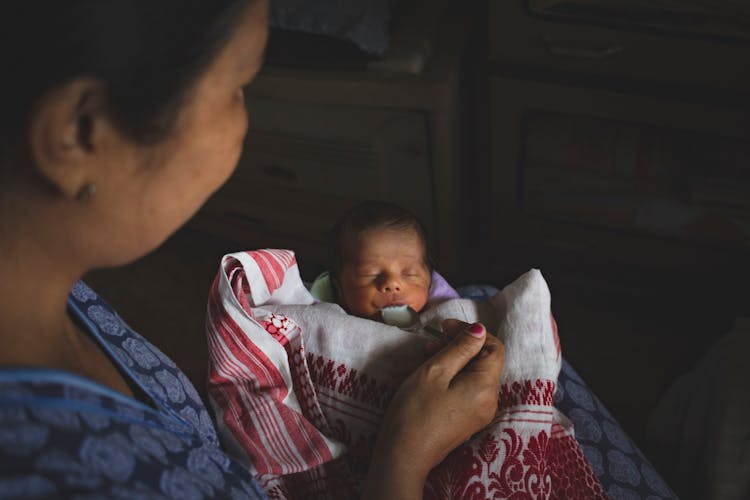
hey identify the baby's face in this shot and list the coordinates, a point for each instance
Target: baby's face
(384, 267)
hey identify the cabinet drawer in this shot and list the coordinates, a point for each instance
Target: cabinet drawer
(339, 151)
(523, 38)
(304, 164)
(617, 173)
(300, 222)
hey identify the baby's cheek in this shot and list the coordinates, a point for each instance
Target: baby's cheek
(361, 303)
(420, 300)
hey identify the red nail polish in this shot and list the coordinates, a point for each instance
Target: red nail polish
(476, 329)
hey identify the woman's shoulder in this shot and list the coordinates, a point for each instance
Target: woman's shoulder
(62, 434)
(142, 364)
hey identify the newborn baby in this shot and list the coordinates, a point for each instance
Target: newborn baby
(381, 266)
(322, 379)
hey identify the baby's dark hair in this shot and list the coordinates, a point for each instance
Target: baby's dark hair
(369, 215)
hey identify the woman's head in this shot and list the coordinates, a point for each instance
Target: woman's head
(380, 259)
(140, 98)
(145, 53)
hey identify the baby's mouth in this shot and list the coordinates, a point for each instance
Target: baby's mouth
(394, 303)
(393, 300)
(398, 315)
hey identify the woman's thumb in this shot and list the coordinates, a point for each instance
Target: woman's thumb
(462, 348)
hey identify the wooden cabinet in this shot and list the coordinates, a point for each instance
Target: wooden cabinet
(601, 175)
(305, 164)
(322, 140)
(652, 52)
(618, 165)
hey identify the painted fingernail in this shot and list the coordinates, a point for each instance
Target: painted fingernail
(477, 330)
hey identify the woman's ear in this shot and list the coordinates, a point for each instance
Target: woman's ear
(65, 134)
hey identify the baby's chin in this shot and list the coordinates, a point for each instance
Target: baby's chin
(373, 314)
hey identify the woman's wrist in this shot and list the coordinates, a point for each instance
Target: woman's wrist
(394, 474)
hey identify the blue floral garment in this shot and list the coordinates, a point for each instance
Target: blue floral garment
(620, 466)
(623, 470)
(64, 436)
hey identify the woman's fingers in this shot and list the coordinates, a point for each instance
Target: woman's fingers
(479, 380)
(450, 397)
(457, 353)
(453, 327)
(492, 347)
(490, 359)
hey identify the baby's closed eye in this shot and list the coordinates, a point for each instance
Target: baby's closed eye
(365, 278)
(412, 272)
(369, 274)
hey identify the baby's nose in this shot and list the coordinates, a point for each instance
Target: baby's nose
(390, 284)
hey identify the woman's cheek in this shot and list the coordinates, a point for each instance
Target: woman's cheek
(241, 115)
(239, 131)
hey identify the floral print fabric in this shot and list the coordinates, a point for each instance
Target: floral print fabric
(621, 468)
(62, 435)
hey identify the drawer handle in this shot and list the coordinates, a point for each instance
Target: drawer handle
(280, 173)
(582, 52)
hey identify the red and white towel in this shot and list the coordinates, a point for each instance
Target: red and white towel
(299, 388)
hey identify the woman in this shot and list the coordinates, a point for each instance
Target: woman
(119, 118)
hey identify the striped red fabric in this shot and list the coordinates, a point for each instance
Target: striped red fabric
(247, 385)
(273, 265)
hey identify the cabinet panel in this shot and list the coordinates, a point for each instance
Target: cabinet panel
(630, 178)
(629, 175)
(305, 164)
(581, 47)
(722, 19)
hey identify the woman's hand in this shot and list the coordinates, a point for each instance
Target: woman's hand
(442, 404)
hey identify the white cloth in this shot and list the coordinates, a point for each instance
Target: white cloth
(299, 389)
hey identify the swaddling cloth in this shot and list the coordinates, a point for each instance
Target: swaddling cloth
(299, 389)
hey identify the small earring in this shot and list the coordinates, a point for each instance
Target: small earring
(86, 192)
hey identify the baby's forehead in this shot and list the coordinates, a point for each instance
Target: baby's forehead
(362, 241)
(357, 247)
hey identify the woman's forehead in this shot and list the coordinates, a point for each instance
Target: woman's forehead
(243, 53)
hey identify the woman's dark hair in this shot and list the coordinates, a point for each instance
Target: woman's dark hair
(147, 53)
(370, 215)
